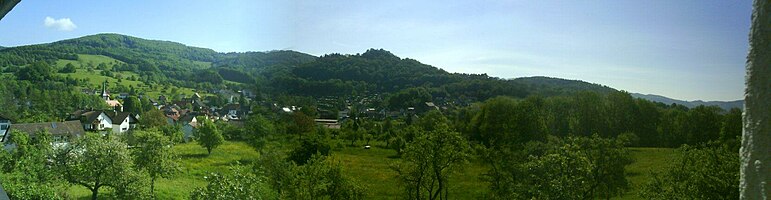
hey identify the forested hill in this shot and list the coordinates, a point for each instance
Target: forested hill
(548, 86)
(284, 72)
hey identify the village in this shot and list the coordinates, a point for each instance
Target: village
(185, 112)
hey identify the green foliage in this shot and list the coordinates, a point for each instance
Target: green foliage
(154, 156)
(238, 183)
(68, 68)
(707, 172)
(578, 168)
(428, 161)
(310, 146)
(257, 129)
(28, 175)
(319, 178)
(132, 105)
(153, 119)
(503, 121)
(209, 136)
(95, 161)
(36, 72)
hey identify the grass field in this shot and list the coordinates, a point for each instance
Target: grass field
(370, 166)
(95, 79)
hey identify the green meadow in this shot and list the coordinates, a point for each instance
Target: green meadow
(370, 167)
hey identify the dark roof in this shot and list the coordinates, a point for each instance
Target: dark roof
(187, 118)
(4, 117)
(117, 118)
(55, 128)
(91, 116)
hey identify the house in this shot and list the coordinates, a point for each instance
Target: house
(123, 121)
(61, 132)
(93, 120)
(188, 123)
(5, 124)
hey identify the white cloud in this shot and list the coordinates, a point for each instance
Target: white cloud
(63, 24)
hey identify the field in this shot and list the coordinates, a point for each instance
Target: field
(95, 78)
(369, 166)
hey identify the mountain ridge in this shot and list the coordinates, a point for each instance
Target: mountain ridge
(725, 105)
(376, 69)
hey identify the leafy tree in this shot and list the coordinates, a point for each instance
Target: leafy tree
(209, 136)
(153, 119)
(68, 68)
(322, 178)
(95, 162)
(319, 178)
(238, 183)
(154, 155)
(503, 121)
(731, 130)
(316, 144)
(706, 172)
(132, 105)
(428, 162)
(257, 129)
(36, 72)
(29, 175)
(564, 174)
(173, 133)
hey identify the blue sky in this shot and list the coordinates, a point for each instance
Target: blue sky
(681, 49)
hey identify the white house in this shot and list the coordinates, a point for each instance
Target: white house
(122, 121)
(96, 120)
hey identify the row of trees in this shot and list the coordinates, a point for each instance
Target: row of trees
(37, 170)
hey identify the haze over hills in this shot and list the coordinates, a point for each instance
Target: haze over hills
(725, 105)
(296, 73)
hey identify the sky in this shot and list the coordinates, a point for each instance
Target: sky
(685, 49)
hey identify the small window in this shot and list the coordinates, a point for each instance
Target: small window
(3, 127)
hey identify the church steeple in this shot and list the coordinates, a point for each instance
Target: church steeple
(105, 94)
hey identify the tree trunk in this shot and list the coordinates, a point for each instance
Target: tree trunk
(755, 177)
(94, 193)
(152, 187)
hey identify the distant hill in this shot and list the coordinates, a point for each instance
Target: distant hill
(549, 86)
(725, 105)
(296, 73)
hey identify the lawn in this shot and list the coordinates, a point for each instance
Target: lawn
(647, 160)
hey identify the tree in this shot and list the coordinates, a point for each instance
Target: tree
(238, 184)
(154, 155)
(68, 68)
(309, 146)
(209, 136)
(28, 174)
(95, 161)
(153, 119)
(132, 105)
(256, 129)
(706, 172)
(428, 162)
(36, 72)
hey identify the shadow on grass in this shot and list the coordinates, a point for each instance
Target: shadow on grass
(191, 156)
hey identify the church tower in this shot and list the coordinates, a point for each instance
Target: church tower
(105, 94)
